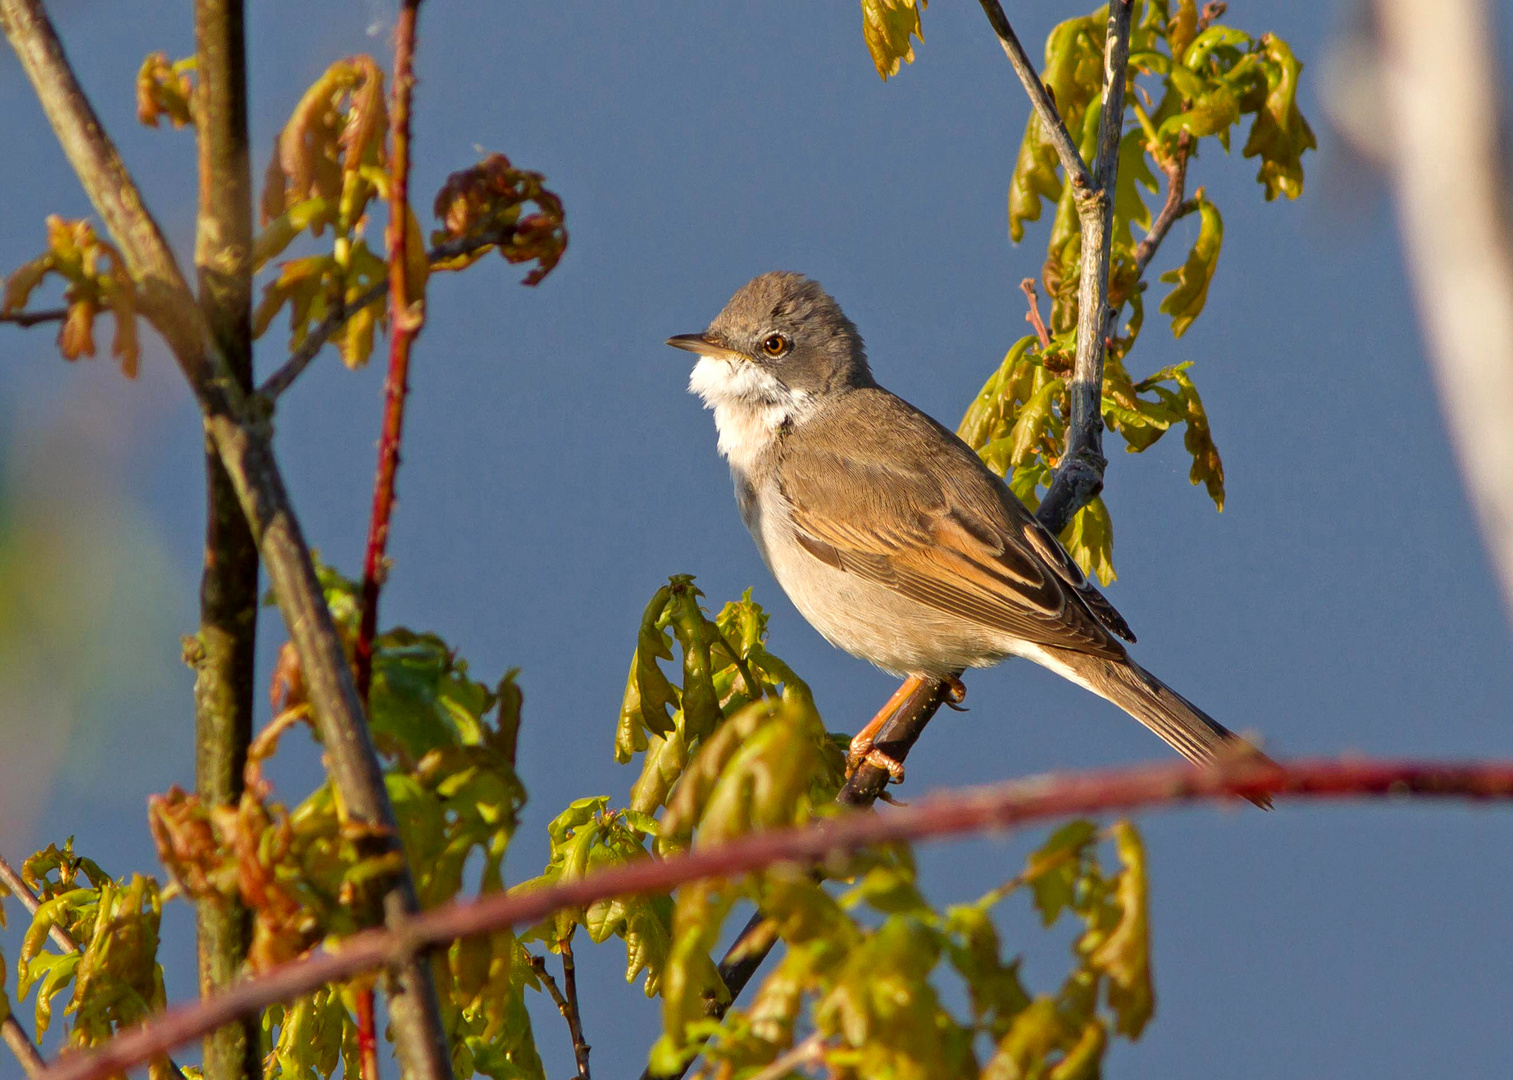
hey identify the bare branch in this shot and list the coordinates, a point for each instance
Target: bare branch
(1027, 286)
(987, 809)
(22, 1047)
(1040, 97)
(1441, 93)
(1172, 210)
(227, 642)
(34, 318)
(1079, 477)
(573, 1015)
(567, 1004)
(243, 441)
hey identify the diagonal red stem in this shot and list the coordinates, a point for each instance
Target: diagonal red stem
(977, 810)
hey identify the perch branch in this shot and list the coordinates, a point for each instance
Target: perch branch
(243, 441)
(1079, 477)
(976, 810)
(1446, 151)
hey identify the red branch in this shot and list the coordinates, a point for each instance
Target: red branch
(406, 317)
(950, 813)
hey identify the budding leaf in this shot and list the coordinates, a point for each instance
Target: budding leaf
(887, 26)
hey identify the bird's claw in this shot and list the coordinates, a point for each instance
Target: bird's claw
(864, 752)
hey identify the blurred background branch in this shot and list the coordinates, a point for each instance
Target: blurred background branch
(1441, 96)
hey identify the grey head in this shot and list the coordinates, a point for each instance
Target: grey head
(791, 330)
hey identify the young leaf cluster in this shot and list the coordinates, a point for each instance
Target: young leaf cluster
(1190, 81)
(112, 979)
(865, 970)
(95, 279)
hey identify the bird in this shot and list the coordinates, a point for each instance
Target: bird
(890, 535)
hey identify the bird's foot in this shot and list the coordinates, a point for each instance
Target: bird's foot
(863, 751)
(956, 690)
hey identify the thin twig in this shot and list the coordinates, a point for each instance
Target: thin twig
(34, 318)
(1079, 477)
(567, 1004)
(243, 440)
(1040, 98)
(226, 646)
(1027, 286)
(977, 810)
(1441, 97)
(538, 965)
(574, 1014)
(317, 338)
(22, 1047)
(1173, 209)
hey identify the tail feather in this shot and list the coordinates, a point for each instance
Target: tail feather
(1186, 728)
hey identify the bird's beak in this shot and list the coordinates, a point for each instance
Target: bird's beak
(704, 346)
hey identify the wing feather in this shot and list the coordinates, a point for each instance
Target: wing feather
(886, 497)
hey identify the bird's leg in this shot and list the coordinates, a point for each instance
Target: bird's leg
(862, 746)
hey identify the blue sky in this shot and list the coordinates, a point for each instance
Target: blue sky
(556, 472)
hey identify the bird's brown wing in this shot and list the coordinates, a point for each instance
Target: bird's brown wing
(889, 495)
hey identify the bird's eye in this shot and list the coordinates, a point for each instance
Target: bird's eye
(774, 345)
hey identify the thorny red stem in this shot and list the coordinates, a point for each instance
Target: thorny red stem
(406, 316)
(951, 813)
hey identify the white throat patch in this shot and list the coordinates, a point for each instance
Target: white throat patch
(750, 404)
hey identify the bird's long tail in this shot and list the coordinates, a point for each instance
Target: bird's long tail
(1186, 728)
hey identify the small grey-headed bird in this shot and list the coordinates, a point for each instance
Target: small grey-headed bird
(888, 533)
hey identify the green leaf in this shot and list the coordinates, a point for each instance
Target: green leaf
(1089, 539)
(1208, 467)
(887, 26)
(1053, 869)
(1134, 174)
(1185, 302)
(648, 694)
(1031, 424)
(1280, 136)
(1124, 956)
